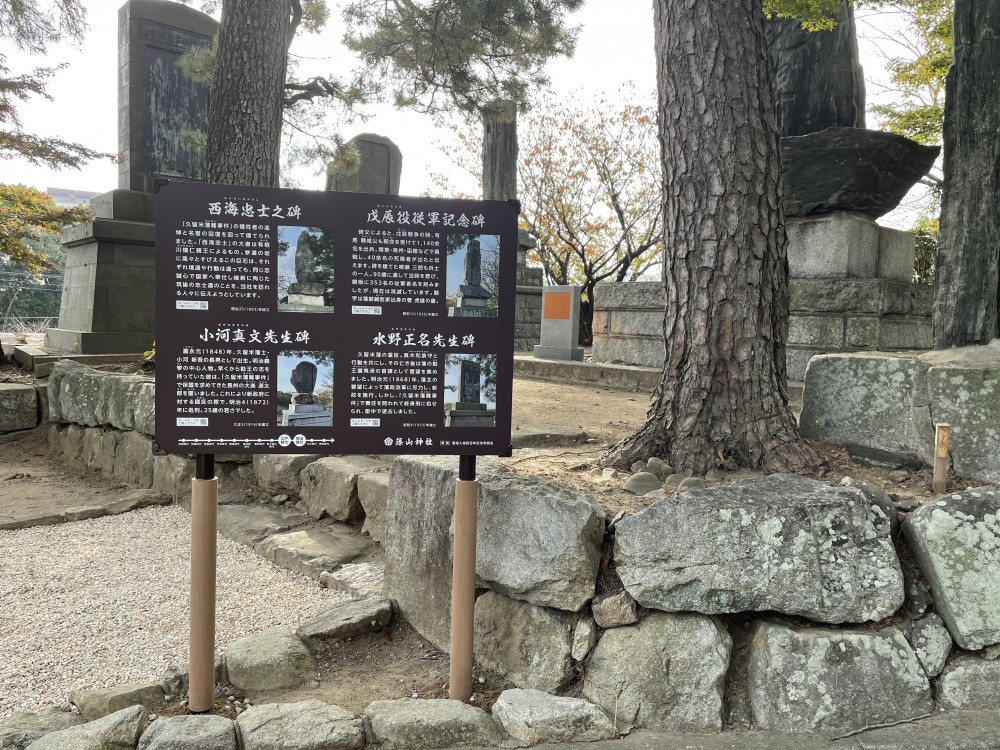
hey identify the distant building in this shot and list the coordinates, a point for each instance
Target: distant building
(65, 198)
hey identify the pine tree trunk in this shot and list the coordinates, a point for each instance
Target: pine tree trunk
(722, 396)
(968, 262)
(246, 101)
(500, 151)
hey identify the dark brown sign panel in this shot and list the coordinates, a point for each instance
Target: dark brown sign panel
(293, 321)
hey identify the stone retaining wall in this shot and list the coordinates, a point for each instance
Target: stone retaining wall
(776, 602)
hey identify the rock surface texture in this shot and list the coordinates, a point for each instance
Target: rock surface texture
(184, 732)
(409, 724)
(956, 540)
(780, 542)
(667, 672)
(850, 169)
(305, 725)
(531, 716)
(833, 681)
(269, 660)
(970, 683)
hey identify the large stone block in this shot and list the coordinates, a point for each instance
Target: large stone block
(181, 732)
(966, 396)
(330, 486)
(373, 494)
(93, 704)
(304, 725)
(837, 245)
(538, 541)
(631, 295)
(531, 716)
(970, 683)
(418, 544)
(821, 331)
(119, 731)
(781, 542)
(896, 252)
(956, 540)
(74, 393)
(18, 407)
(872, 399)
(410, 724)
(99, 449)
(280, 474)
(309, 552)
(639, 351)
(833, 681)
(529, 645)
(667, 672)
(134, 459)
(269, 660)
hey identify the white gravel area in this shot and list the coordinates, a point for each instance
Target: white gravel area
(105, 602)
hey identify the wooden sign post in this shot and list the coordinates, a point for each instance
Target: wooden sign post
(941, 432)
(463, 579)
(204, 523)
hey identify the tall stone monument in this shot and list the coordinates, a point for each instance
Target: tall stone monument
(560, 324)
(817, 77)
(380, 167)
(108, 286)
(159, 107)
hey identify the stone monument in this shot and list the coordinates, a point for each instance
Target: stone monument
(560, 324)
(379, 169)
(158, 106)
(472, 297)
(305, 410)
(469, 411)
(108, 286)
(312, 290)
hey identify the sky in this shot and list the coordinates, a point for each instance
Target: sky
(615, 46)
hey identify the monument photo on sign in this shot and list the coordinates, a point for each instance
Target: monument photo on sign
(305, 269)
(308, 403)
(472, 278)
(470, 390)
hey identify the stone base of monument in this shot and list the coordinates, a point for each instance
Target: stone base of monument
(471, 312)
(306, 415)
(307, 300)
(107, 300)
(469, 414)
(569, 353)
(850, 289)
(528, 297)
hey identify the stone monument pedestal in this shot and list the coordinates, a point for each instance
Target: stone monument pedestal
(309, 294)
(528, 297)
(108, 286)
(469, 414)
(306, 415)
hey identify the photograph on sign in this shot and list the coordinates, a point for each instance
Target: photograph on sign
(415, 338)
(305, 269)
(472, 277)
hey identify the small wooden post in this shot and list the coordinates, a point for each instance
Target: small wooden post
(941, 432)
(463, 579)
(204, 523)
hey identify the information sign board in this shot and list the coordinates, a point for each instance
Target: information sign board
(292, 321)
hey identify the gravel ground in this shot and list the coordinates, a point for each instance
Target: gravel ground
(105, 602)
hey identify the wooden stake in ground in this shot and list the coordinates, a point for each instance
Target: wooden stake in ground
(941, 432)
(204, 522)
(463, 579)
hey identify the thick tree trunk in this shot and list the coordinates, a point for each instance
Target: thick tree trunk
(722, 396)
(245, 106)
(817, 77)
(500, 151)
(968, 262)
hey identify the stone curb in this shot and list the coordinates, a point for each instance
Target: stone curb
(130, 501)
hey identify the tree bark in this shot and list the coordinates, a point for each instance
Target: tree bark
(968, 262)
(817, 77)
(245, 103)
(722, 397)
(500, 151)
